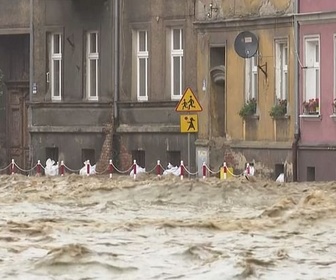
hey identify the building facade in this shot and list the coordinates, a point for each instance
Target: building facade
(317, 145)
(14, 81)
(57, 59)
(81, 76)
(74, 69)
(158, 62)
(231, 86)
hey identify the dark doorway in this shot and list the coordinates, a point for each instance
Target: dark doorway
(279, 168)
(89, 154)
(14, 65)
(174, 158)
(140, 157)
(52, 153)
(310, 174)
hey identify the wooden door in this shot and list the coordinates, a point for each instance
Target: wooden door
(17, 123)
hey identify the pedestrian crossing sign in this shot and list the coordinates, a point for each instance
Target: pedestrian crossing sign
(188, 102)
(189, 123)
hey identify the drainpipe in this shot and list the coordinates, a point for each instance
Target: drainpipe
(296, 93)
(31, 77)
(116, 57)
(31, 51)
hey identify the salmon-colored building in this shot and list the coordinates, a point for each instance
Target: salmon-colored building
(316, 110)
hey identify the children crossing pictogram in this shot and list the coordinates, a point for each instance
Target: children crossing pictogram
(188, 103)
(189, 123)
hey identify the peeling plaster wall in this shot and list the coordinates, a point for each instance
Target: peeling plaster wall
(245, 8)
(263, 141)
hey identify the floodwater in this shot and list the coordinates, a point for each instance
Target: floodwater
(75, 227)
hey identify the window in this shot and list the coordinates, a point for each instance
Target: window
(312, 69)
(176, 63)
(281, 69)
(56, 66)
(142, 65)
(92, 57)
(251, 78)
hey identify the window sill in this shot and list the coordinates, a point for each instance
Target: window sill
(285, 117)
(333, 116)
(312, 117)
(252, 117)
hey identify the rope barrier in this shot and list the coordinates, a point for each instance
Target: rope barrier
(4, 169)
(133, 170)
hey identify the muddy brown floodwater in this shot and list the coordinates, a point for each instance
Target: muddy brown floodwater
(77, 227)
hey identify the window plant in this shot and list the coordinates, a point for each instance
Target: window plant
(249, 108)
(334, 106)
(311, 106)
(279, 109)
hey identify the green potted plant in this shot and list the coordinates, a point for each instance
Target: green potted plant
(249, 108)
(279, 110)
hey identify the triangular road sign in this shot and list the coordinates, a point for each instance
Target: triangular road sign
(188, 102)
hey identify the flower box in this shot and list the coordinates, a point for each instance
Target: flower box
(279, 110)
(311, 107)
(249, 109)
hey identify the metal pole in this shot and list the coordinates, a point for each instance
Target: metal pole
(189, 153)
(31, 77)
(296, 93)
(31, 52)
(116, 56)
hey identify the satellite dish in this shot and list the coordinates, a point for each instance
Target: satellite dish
(246, 44)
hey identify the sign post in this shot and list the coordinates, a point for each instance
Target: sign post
(188, 123)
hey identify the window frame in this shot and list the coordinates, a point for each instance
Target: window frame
(251, 78)
(53, 58)
(315, 67)
(177, 53)
(142, 55)
(92, 56)
(281, 69)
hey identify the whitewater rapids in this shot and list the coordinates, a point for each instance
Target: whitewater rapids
(78, 227)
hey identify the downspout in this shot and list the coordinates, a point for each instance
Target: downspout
(31, 77)
(31, 51)
(116, 57)
(296, 93)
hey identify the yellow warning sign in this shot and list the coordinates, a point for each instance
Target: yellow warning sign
(189, 123)
(188, 103)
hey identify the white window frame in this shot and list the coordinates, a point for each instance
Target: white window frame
(176, 53)
(142, 55)
(281, 69)
(92, 56)
(56, 57)
(312, 76)
(251, 78)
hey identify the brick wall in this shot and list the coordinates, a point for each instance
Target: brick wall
(106, 151)
(125, 158)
